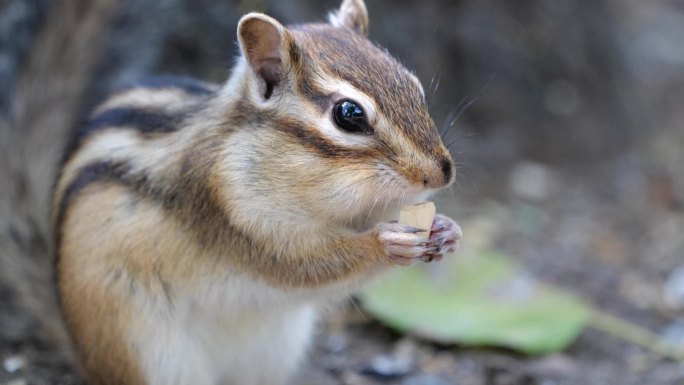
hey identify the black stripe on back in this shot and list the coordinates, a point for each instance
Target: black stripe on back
(184, 83)
(187, 198)
(147, 121)
(144, 121)
(190, 201)
(94, 172)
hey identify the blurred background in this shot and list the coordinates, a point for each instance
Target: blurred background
(566, 119)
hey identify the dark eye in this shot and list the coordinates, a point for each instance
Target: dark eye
(350, 117)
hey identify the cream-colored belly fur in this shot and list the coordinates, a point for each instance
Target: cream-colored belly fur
(215, 339)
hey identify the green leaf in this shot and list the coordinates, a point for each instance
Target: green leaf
(479, 300)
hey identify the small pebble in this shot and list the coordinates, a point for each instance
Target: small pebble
(388, 367)
(554, 365)
(426, 379)
(674, 334)
(673, 291)
(436, 363)
(13, 364)
(399, 363)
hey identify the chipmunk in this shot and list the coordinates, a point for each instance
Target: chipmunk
(200, 228)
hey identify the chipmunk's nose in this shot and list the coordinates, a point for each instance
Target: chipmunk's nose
(441, 175)
(447, 170)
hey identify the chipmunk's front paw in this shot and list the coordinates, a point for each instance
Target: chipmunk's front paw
(445, 234)
(403, 245)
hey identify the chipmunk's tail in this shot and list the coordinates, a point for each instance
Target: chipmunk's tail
(43, 106)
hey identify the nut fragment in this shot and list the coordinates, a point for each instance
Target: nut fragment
(419, 215)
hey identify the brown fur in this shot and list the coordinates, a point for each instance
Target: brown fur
(140, 218)
(343, 54)
(107, 358)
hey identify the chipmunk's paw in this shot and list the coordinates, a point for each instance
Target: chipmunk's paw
(445, 235)
(403, 245)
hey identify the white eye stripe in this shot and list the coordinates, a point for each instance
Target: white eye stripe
(331, 131)
(346, 91)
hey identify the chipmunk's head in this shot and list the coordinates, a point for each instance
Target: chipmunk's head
(338, 120)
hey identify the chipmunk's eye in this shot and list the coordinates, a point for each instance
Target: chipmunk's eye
(350, 117)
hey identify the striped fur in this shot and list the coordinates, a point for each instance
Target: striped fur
(209, 217)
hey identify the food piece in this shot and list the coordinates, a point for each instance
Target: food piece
(419, 215)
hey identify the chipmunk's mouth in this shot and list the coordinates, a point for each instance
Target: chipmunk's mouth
(377, 196)
(402, 191)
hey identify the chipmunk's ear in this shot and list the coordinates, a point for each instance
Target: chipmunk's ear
(263, 41)
(352, 15)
